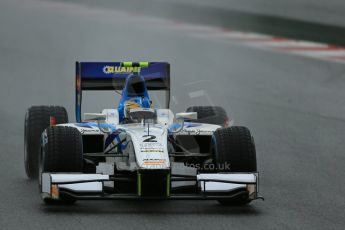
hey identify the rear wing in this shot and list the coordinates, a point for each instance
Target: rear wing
(113, 75)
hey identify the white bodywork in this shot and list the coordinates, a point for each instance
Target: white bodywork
(149, 141)
(146, 147)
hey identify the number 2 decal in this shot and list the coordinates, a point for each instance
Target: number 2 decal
(150, 138)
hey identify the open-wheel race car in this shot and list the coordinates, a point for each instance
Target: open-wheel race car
(137, 151)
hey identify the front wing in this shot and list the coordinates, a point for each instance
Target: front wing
(209, 187)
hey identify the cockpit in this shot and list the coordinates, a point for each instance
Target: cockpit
(134, 96)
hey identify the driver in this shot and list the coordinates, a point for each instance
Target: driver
(133, 96)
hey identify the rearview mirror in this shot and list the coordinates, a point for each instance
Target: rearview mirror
(95, 117)
(180, 118)
(187, 116)
(99, 118)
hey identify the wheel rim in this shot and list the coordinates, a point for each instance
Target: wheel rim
(214, 148)
(25, 144)
(40, 167)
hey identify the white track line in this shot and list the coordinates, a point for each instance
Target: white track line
(256, 40)
(263, 41)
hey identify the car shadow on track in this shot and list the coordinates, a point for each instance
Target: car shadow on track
(151, 207)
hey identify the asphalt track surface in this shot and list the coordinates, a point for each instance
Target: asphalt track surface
(314, 20)
(294, 106)
(330, 12)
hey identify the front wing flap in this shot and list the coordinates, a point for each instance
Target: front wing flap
(91, 186)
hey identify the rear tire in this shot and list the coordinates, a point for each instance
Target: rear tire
(234, 146)
(215, 115)
(61, 152)
(37, 119)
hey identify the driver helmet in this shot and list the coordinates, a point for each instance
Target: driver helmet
(132, 103)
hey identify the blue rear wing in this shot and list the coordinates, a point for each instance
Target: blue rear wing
(113, 75)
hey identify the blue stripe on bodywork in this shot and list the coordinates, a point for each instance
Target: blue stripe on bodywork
(191, 125)
(91, 125)
(112, 137)
(176, 126)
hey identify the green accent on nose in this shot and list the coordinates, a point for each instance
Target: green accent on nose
(139, 184)
(168, 184)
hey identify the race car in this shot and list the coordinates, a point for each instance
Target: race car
(135, 150)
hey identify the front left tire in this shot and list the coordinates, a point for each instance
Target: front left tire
(37, 119)
(61, 152)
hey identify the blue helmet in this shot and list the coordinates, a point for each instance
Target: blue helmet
(134, 95)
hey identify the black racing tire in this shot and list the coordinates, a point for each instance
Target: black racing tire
(215, 115)
(61, 151)
(37, 119)
(234, 146)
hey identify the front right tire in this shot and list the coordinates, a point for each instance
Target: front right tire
(233, 150)
(215, 115)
